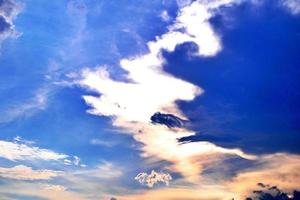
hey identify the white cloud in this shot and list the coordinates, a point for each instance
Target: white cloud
(75, 161)
(21, 172)
(18, 151)
(67, 162)
(165, 16)
(149, 89)
(21, 140)
(292, 5)
(153, 178)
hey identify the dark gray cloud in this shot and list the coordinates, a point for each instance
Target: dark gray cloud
(268, 192)
(8, 11)
(169, 120)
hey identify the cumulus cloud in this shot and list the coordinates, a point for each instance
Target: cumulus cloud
(149, 90)
(19, 151)
(292, 5)
(9, 9)
(153, 178)
(21, 172)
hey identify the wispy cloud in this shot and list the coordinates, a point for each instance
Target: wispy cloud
(26, 108)
(21, 172)
(291, 5)
(105, 170)
(74, 161)
(102, 142)
(18, 151)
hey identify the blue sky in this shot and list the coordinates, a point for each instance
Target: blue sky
(80, 80)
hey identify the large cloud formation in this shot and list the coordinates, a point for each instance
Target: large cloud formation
(8, 11)
(149, 89)
(146, 89)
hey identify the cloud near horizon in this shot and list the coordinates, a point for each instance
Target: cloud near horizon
(280, 169)
(21, 172)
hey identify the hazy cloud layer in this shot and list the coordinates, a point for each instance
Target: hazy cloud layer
(21, 172)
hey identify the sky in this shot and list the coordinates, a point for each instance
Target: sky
(149, 100)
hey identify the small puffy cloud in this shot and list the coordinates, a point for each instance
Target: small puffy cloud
(9, 9)
(153, 178)
(19, 151)
(21, 172)
(292, 5)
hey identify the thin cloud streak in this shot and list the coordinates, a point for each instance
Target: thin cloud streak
(21, 172)
(17, 151)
